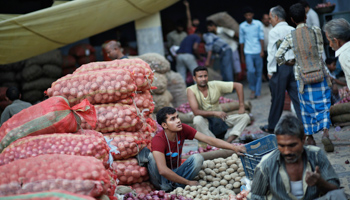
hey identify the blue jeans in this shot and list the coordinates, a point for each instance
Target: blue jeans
(254, 66)
(226, 65)
(188, 170)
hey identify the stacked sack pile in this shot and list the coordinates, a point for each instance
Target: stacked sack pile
(10, 75)
(68, 64)
(171, 88)
(38, 75)
(40, 155)
(340, 110)
(120, 93)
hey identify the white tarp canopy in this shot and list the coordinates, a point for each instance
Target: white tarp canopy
(24, 36)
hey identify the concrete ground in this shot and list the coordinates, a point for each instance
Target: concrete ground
(260, 111)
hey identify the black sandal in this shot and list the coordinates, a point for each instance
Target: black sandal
(266, 129)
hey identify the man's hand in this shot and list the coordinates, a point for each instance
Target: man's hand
(207, 62)
(193, 183)
(241, 109)
(221, 115)
(240, 150)
(262, 54)
(312, 178)
(186, 3)
(242, 59)
(290, 62)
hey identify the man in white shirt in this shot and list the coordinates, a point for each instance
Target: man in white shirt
(281, 77)
(311, 15)
(338, 35)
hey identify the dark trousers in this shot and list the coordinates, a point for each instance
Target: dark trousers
(281, 81)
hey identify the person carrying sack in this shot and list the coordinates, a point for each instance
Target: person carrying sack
(209, 118)
(311, 74)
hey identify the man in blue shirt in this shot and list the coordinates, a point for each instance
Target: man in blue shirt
(185, 56)
(214, 44)
(251, 39)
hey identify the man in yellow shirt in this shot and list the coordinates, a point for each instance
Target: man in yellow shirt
(204, 102)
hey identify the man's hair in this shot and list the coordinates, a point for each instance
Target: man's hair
(290, 125)
(338, 28)
(304, 3)
(330, 60)
(248, 10)
(199, 68)
(162, 114)
(211, 23)
(297, 12)
(279, 12)
(12, 93)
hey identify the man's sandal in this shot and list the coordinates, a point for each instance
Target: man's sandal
(328, 145)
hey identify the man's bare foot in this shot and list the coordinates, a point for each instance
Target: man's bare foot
(231, 138)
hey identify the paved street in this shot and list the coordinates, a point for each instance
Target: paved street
(260, 112)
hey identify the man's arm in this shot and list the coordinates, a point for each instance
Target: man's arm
(188, 14)
(260, 187)
(195, 108)
(195, 51)
(168, 173)
(207, 62)
(240, 94)
(262, 48)
(284, 47)
(219, 143)
(242, 53)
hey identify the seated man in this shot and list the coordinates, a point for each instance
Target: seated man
(204, 102)
(13, 94)
(294, 171)
(164, 163)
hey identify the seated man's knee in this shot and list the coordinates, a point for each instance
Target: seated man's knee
(198, 119)
(246, 117)
(166, 187)
(197, 160)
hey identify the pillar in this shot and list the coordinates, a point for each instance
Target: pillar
(149, 34)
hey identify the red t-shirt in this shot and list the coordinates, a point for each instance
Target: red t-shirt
(159, 143)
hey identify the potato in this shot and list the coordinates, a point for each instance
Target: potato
(234, 166)
(185, 193)
(217, 165)
(187, 187)
(234, 175)
(204, 178)
(212, 189)
(202, 183)
(216, 161)
(216, 179)
(215, 192)
(240, 170)
(199, 187)
(227, 177)
(201, 174)
(193, 188)
(238, 178)
(196, 178)
(230, 162)
(216, 183)
(224, 173)
(230, 170)
(223, 182)
(205, 197)
(236, 184)
(194, 193)
(209, 178)
(211, 164)
(232, 181)
(241, 174)
(222, 169)
(218, 176)
(207, 171)
(216, 170)
(234, 156)
(224, 165)
(205, 164)
(209, 185)
(229, 186)
(213, 174)
(204, 192)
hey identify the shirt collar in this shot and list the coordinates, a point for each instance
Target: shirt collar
(301, 25)
(281, 24)
(342, 49)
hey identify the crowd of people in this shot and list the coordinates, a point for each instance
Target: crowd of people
(294, 62)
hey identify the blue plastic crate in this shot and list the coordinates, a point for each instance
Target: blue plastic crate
(255, 151)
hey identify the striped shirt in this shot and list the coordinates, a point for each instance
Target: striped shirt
(271, 180)
(214, 43)
(288, 44)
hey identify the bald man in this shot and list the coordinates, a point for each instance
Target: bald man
(114, 50)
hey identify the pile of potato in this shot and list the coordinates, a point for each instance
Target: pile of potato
(217, 180)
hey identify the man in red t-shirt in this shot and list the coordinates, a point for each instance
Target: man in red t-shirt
(164, 163)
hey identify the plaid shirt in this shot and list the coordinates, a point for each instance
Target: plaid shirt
(288, 44)
(271, 180)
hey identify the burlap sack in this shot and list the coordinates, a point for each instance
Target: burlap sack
(339, 109)
(162, 100)
(52, 71)
(38, 84)
(51, 57)
(32, 72)
(157, 62)
(160, 81)
(225, 20)
(177, 88)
